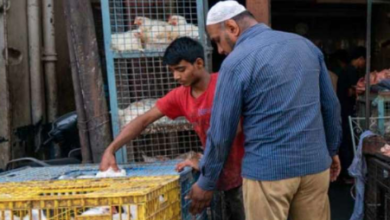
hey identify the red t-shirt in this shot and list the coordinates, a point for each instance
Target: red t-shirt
(179, 102)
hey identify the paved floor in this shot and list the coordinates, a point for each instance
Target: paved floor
(341, 201)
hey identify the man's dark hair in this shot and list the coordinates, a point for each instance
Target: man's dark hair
(183, 48)
(357, 52)
(243, 15)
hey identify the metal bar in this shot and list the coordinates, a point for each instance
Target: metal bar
(121, 155)
(352, 134)
(201, 21)
(368, 61)
(37, 85)
(50, 59)
(137, 54)
(31, 159)
(34, 30)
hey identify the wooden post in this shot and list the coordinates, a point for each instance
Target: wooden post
(83, 129)
(261, 9)
(82, 38)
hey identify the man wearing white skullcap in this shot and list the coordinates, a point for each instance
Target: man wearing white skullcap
(279, 84)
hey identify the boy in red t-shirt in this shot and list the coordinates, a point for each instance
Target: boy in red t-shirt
(193, 100)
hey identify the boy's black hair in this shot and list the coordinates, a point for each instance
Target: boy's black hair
(357, 52)
(183, 48)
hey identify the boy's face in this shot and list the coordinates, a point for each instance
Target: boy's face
(186, 73)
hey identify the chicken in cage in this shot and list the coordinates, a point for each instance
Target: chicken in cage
(153, 34)
(151, 25)
(181, 28)
(138, 108)
(158, 147)
(127, 41)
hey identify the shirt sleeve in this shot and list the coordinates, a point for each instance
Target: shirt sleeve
(169, 105)
(330, 108)
(225, 115)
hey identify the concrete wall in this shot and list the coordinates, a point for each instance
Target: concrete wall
(19, 76)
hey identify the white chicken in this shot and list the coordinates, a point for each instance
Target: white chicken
(118, 217)
(133, 212)
(97, 211)
(157, 37)
(145, 24)
(35, 215)
(154, 159)
(189, 155)
(181, 28)
(154, 34)
(127, 41)
(135, 109)
(6, 215)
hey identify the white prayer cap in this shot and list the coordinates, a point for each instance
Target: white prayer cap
(224, 10)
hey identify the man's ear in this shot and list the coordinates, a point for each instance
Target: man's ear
(232, 27)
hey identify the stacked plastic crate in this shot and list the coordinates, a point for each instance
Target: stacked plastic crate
(72, 172)
(135, 198)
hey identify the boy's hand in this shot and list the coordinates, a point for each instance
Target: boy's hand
(108, 160)
(194, 163)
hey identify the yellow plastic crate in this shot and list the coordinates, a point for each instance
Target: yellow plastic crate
(135, 198)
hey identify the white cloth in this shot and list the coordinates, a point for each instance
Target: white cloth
(358, 170)
(224, 10)
(111, 173)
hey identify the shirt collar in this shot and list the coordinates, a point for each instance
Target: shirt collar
(254, 30)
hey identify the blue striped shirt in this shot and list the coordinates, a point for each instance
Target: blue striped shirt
(280, 85)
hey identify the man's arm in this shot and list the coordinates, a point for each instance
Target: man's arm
(330, 109)
(225, 117)
(130, 131)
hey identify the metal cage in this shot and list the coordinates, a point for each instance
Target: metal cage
(379, 125)
(136, 34)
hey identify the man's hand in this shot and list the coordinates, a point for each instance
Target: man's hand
(108, 160)
(200, 199)
(194, 163)
(335, 168)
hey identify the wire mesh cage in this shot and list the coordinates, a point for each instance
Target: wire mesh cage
(378, 125)
(379, 105)
(377, 193)
(164, 146)
(140, 82)
(136, 33)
